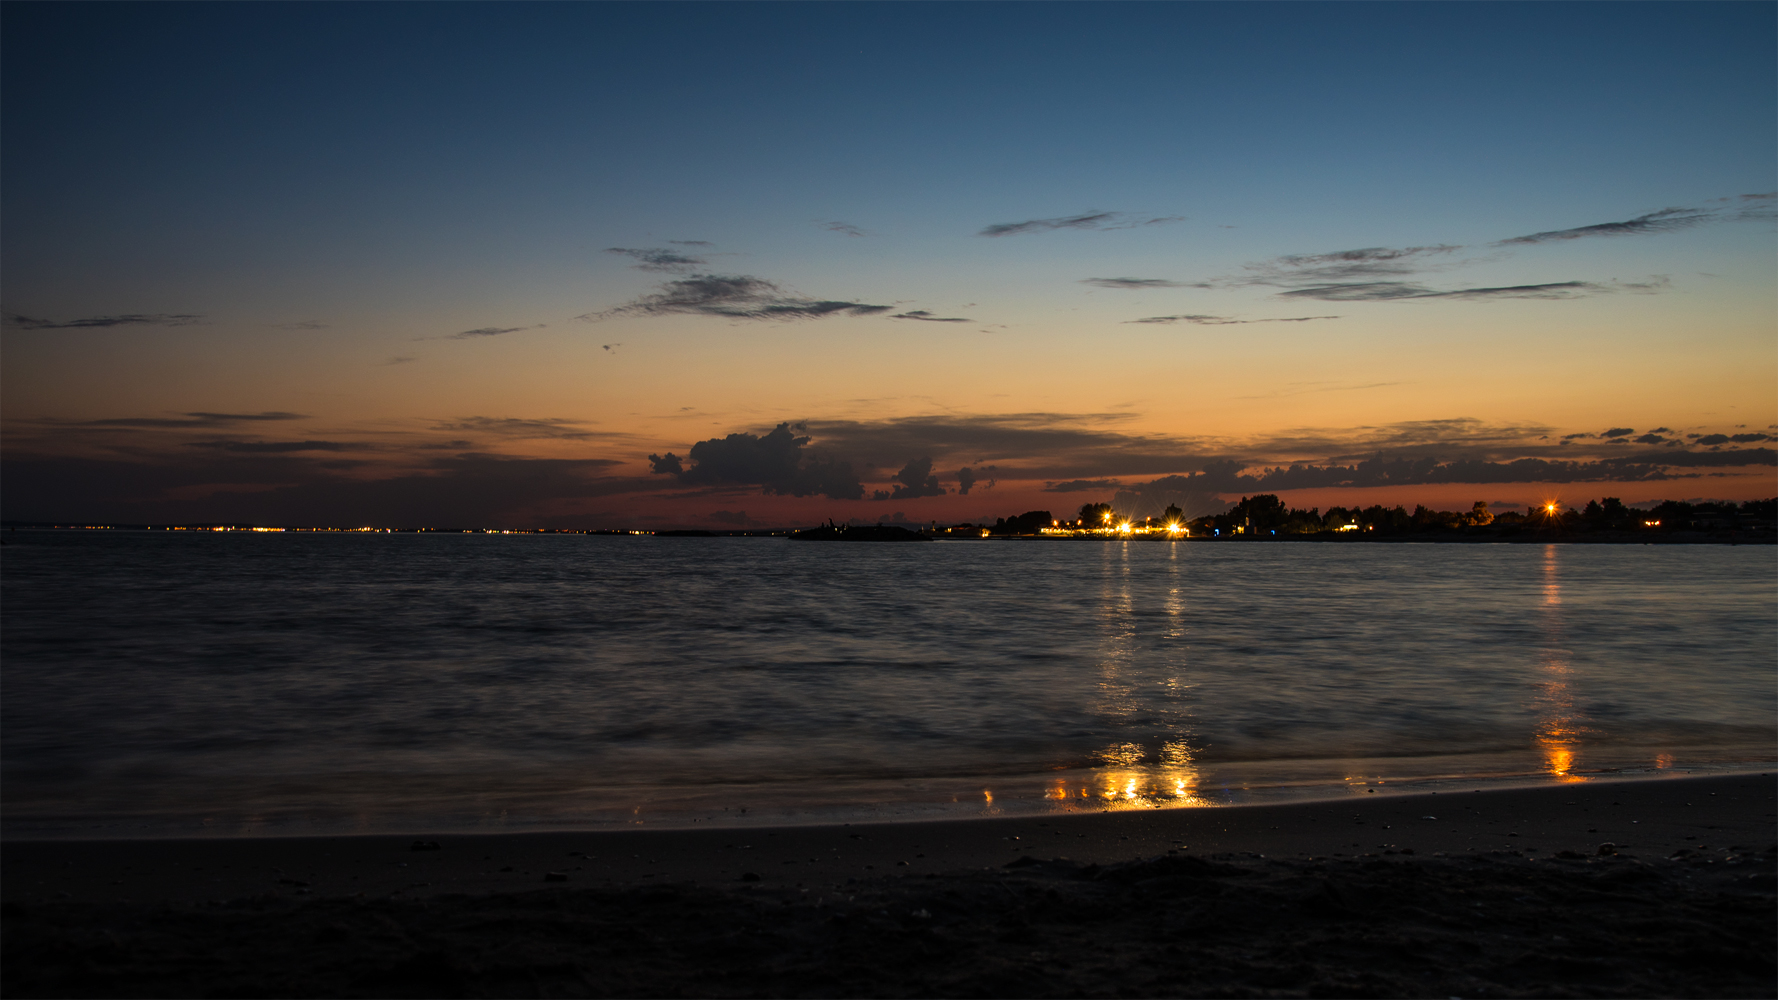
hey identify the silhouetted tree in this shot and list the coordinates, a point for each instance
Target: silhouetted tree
(1094, 515)
(1028, 523)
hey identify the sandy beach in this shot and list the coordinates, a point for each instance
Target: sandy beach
(1504, 892)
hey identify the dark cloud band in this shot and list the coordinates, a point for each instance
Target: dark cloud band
(926, 317)
(1393, 291)
(1202, 320)
(1085, 220)
(102, 322)
(733, 297)
(1665, 221)
(662, 260)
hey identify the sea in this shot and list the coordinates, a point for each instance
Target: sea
(178, 684)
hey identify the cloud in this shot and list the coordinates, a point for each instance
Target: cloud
(738, 518)
(915, 480)
(965, 481)
(691, 243)
(1231, 477)
(485, 331)
(1340, 277)
(1081, 486)
(1618, 432)
(307, 324)
(734, 297)
(1085, 220)
(662, 260)
(459, 491)
(277, 447)
(1137, 284)
(100, 322)
(843, 228)
(1063, 448)
(1716, 440)
(1385, 291)
(199, 419)
(924, 316)
(610, 348)
(1650, 438)
(400, 360)
(520, 428)
(1224, 320)
(774, 461)
(1344, 265)
(1664, 221)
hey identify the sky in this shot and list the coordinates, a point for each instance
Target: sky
(753, 265)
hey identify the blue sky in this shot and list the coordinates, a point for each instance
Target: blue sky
(336, 194)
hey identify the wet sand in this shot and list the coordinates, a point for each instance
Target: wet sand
(1490, 893)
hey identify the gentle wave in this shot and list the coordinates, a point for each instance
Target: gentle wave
(172, 682)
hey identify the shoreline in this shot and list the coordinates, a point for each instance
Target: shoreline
(1537, 536)
(940, 800)
(1505, 892)
(1655, 814)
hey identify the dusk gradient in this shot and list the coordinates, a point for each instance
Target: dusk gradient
(744, 265)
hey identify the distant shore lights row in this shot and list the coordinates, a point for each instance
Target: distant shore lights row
(1113, 526)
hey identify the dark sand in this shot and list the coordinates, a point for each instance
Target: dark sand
(1505, 893)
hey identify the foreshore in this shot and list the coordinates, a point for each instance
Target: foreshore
(1485, 893)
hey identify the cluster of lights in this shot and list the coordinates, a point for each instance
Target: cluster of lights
(1114, 527)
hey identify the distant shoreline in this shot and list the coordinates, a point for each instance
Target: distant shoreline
(1482, 537)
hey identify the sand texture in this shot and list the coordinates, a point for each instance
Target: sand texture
(1498, 893)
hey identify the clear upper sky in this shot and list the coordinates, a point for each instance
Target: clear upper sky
(573, 265)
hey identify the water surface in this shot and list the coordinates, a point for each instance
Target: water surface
(171, 683)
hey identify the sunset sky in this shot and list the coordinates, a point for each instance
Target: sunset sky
(752, 265)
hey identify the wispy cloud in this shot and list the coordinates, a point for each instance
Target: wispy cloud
(307, 324)
(1385, 291)
(101, 322)
(843, 228)
(523, 427)
(1343, 265)
(198, 419)
(1202, 320)
(734, 297)
(1741, 208)
(485, 331)
(1381, 274)
(1138, 284)
(400, 360)
(924, 316)
(1664, 221)
(1085, 220)
(656, 259)
(691, 243)
(278, 447)
(1082, 486)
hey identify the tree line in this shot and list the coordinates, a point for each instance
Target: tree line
(1266, 514)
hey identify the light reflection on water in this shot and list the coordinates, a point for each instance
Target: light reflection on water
(1559, 726)
(253, 684)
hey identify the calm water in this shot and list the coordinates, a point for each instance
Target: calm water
(161, 683)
